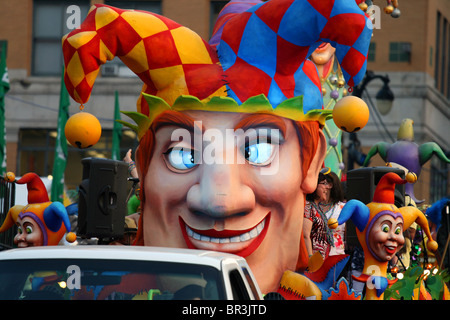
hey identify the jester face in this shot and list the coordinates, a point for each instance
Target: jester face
(29, 233)
(384, 235)
(245, 197)
(323, 53)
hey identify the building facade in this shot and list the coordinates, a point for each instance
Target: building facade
(413, 50)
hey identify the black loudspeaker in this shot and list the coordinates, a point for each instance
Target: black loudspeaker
(102, 198)
(361, 184)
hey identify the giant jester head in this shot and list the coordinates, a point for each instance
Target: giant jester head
(253, 77)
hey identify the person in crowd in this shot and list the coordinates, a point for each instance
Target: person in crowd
(134, 202)
(324, 203)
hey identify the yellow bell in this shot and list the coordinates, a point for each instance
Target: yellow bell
(350, 114)
(83, 130)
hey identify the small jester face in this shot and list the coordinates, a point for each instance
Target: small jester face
(29, 234)
(385, 237)
(323, 53)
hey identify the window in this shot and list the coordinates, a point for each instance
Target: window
(152, 6)
(439, 182)
(399, 51)
(438, 49)
(49, 25)
(35, 153)
(442, 55)
(238, 286)
(372, 50)
(104, 279)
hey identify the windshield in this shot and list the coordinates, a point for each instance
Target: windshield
(84, 279)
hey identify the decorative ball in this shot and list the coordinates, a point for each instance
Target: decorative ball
(333, 142)
(396, 13)
(334, 94)
(71, 237)
(341, 83)
(388, 9)
(333, 223)
(334, 79)
(432, 246)
(363, 6)
(83, 130)
(350, 114)
(341, 165)
(10, 176)
(411, 177)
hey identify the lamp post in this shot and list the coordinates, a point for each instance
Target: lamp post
(385, 99)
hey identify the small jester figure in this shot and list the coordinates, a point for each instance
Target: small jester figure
(406, 153)
(379, 227)
(41, 222)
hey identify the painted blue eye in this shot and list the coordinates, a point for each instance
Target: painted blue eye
(258, 153)
(181, 158)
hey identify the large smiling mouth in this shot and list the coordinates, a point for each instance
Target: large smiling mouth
(240, 242)
(390, 249)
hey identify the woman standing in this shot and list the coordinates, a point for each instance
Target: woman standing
(324, 203)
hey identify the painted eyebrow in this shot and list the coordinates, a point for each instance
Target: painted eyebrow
(261, 120)
(174, 118)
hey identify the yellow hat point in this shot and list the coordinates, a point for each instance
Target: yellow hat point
(333, 223)
(10, 176)
(411, 177)
(83, 130)
(351, 114)
(71, 237)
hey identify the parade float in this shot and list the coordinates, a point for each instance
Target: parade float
(254, 73)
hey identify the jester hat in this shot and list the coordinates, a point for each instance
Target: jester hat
(364, 216)
(255, 62)
(51, 217)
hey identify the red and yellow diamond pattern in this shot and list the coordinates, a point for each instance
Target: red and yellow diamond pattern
(169, 58)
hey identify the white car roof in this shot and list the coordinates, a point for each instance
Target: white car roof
(142, 253)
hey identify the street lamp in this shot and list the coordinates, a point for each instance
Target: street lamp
(384, 97)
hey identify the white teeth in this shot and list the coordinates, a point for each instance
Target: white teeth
(235, 239)
(243, 237)
(196, 236)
